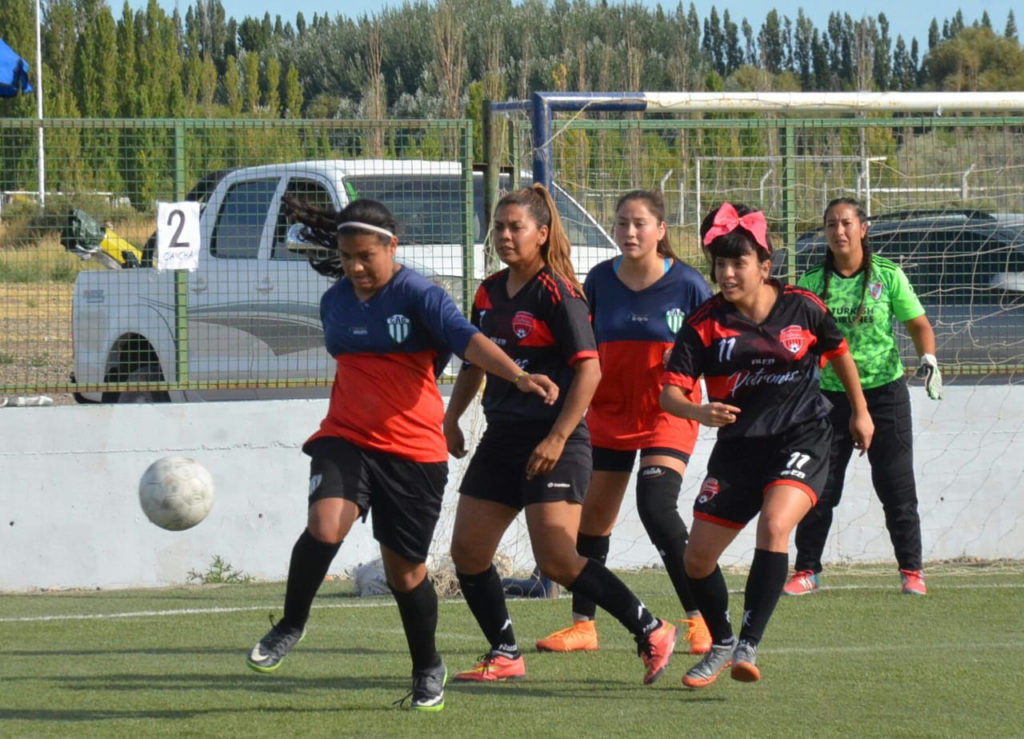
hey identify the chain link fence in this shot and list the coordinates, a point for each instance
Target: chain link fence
(84, 311)
(945, 197)
(79, 297)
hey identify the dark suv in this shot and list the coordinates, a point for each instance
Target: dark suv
(967, 266)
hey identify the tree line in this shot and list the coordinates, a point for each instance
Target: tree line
(443, 59)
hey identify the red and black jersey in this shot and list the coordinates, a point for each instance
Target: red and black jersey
(768, 370)
(388, 351)
(544, 328)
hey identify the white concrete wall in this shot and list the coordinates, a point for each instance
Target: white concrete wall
(69, 513)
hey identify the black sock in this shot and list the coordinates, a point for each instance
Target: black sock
(764, 588)
(601, 586)
(712, 597)
(486, 600)
(596, 548)
(310, 561)
(418, 609)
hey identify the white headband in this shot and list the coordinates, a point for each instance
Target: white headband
(366, 227)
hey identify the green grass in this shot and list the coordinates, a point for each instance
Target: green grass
(857, 659)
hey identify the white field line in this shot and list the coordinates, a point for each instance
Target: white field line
(380, 602)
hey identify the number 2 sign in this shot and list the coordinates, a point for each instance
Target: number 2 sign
(177, 235)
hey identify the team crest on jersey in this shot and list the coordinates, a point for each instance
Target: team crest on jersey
(398, 327)
(522, 324)
(792, 337)
(876, 290)
(675, 318)
(708, 490)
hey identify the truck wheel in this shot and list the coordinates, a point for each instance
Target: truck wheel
(149, 373)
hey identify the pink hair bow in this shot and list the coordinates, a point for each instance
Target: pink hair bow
(728, 220)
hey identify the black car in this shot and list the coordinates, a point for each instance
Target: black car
(967, 267)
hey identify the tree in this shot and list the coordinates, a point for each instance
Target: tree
(904, 74)
(749, 42)
(713, 44)
(292, 93)
(272, 87)
(1011, 27)
(821, 62)
(450, 59)
(976, 60)
(233, 86)
(770, 41)
(933, 34)
(864, 38)
(375, 102)
(883, 55)
(733, 52)
(803, 39)
(251, 69)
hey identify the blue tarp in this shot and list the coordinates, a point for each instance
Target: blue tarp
(13, 72)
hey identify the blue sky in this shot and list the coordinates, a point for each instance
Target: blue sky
(911, 19)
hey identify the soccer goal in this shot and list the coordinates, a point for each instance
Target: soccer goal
(942, 178)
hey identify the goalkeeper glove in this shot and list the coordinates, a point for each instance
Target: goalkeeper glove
(929, 372)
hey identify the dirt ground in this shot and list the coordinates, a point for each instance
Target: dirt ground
(35, 340)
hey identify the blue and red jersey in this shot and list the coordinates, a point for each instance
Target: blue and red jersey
(634, 329)
(544, 328)
(769, 370)
(389, 351)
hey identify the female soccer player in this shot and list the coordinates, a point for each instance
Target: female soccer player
(381, 446)
(865, 292)
(759, 346)
(638, 302)
(531, 455)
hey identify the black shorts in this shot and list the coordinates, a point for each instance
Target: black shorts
(618, 460)
(740, 471)
(497, 471)
(405, 496)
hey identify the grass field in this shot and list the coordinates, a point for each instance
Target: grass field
(857, 659)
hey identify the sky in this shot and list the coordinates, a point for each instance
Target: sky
(909, 19)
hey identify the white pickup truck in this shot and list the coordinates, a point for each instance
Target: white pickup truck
(245, 324)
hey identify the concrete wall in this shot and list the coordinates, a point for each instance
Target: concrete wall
(69, 513)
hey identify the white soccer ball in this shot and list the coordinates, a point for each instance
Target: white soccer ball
(176, 493)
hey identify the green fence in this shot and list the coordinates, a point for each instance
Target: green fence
(78, 291)
(946, 196)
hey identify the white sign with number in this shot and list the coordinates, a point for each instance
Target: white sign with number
(177, 235)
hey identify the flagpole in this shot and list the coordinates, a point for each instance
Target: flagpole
(39, 105)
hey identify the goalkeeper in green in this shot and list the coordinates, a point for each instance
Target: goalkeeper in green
(865, 292)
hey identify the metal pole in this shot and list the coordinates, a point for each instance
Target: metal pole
(39, 104)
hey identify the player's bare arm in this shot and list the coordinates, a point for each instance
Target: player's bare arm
(922, 334)
(677, 401)
(577, 400)
(862, 428)
(484, 353)
(467, 385)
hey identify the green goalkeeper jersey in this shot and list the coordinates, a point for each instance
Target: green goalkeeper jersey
(888, 295)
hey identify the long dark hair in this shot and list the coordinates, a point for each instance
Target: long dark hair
(320, 227)
(734, 244)
(655, 203)
(830, 261)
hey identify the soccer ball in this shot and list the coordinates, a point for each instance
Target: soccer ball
(176, 493)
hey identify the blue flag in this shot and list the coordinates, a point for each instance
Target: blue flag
(13, 72)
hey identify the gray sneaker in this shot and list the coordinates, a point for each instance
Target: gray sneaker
(707, 670)
(744, 663)
(266, 656)
(428, 688)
